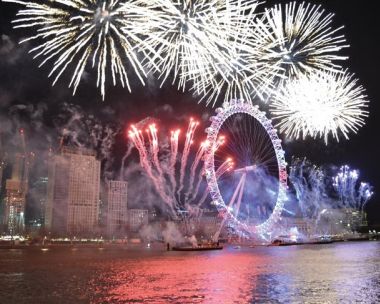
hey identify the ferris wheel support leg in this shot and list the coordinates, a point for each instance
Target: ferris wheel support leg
(243, 178)
(236, 193)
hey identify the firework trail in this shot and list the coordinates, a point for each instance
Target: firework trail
(138, 140)
(308, 181)
(364, 195)
(320, 104)
(163, 173)
(194, 166)
(226, 166)
(153, 139)
(173, 157)
(223, 168)
(351, 193)
(186, 150)
(104, 35)
(126, 155)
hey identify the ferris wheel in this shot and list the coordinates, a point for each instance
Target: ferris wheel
(252, 195)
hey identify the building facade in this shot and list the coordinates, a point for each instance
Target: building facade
(2, 165)
(16, 189)
(117, 217)
(72, 205)
(37, 197)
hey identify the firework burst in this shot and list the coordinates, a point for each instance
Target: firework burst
(352, 194)
(243, 74)
(301, 38)
(319, 104)
(104, 34)
(193, 39)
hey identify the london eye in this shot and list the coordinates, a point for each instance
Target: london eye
(252, 196)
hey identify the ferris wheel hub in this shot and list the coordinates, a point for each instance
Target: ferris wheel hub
(246, 169)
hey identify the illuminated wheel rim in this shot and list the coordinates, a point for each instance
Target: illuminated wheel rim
(222, 114)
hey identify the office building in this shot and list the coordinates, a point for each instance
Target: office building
(72, 205)
(117, 219)
(16, 189)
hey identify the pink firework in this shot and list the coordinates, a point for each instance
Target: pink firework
(177, 173)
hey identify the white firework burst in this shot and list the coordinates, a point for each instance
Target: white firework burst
(320, 104)
(104, 34)
(301, 37)
(193, 37)
(241, 73)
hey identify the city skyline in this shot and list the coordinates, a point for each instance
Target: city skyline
(46, 114)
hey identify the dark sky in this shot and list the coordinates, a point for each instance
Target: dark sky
(21, 82)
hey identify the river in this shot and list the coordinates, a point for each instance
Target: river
(333, 273)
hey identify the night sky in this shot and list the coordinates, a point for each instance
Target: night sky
(23, 83)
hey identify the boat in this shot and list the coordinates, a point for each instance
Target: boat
(291, 242)
(285, 240)
(198, 248)
(358, 239)
(278, 242)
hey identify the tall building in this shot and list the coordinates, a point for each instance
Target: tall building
(72, 205)
(16, 189)
(117, 208)
(137, 218)
(2, 166)
(354, 220)
(37, 197)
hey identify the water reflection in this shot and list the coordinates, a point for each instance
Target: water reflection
(338, 273)
(260, 275)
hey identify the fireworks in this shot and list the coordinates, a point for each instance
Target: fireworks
(301, 38)
(319, 104)
(350, 192)
(242, 74)
(176, 178)
(194, 38)
(77, 33)
(309, 184)
(221, 47)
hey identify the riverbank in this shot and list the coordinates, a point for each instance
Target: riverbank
(154, 245)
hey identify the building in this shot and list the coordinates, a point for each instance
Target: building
(16, 189)
(354, 219)
(36, 201)
(117, 219)
(72, 205)
(304, 226)
(137, 218)
(2, 165)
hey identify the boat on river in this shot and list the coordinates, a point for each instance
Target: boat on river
(202, 247)
(287, 241)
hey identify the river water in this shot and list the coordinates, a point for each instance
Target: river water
(335, 273)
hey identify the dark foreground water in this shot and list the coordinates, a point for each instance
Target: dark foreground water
(336, 273)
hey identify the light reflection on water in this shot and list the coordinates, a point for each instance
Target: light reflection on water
(337, 273)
